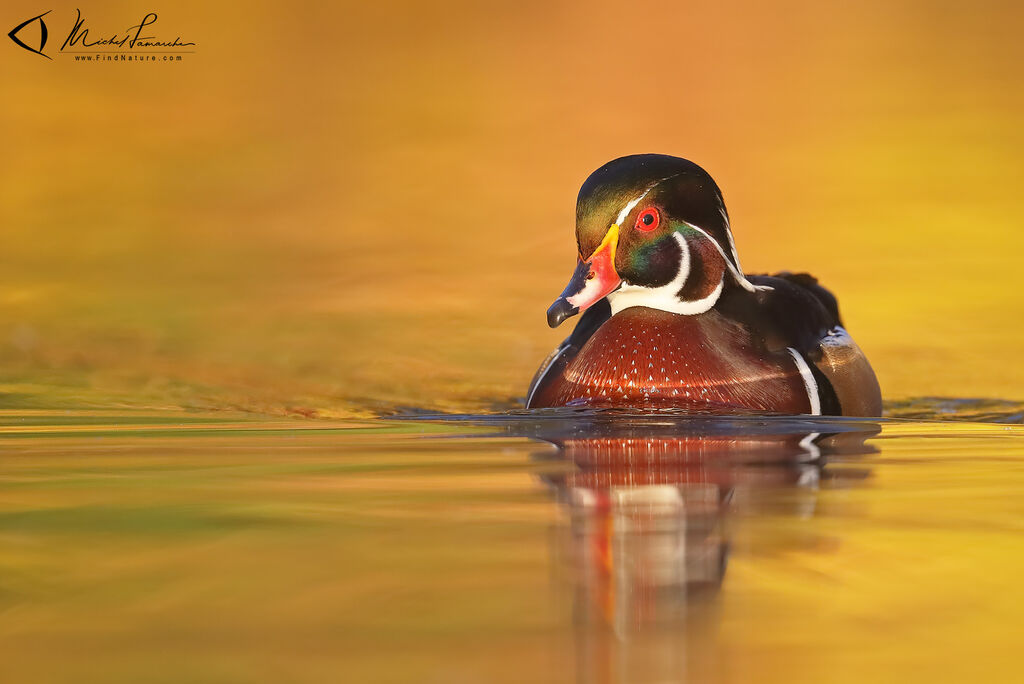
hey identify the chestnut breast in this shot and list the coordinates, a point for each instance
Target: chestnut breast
(645, 357)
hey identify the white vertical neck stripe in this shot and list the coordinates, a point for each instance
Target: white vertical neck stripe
(666, 297)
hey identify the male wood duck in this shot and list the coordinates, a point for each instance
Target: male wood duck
(670, 319)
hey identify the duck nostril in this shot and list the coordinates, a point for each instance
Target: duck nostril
(591, 275)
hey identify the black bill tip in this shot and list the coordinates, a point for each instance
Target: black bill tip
(559, 311)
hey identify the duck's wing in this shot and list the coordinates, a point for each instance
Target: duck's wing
(592, 319)
(801, 315)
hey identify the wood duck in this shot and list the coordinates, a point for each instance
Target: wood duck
(670, 319)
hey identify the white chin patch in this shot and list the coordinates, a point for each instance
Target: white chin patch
(666, 297)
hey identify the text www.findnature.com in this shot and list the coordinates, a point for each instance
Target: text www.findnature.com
(128, 58)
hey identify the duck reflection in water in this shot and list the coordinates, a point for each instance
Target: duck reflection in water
(648, 502)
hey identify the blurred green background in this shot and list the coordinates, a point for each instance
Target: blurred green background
(346, 209)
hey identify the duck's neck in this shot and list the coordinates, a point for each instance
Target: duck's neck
(700, 279)
(665, 298)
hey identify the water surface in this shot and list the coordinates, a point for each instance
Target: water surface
(525, 546)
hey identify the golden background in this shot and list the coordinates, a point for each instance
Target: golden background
(341, 210)
(361, 207)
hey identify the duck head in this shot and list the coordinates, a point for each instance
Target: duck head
(652, 230)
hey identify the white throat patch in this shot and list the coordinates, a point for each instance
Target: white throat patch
(666, 297)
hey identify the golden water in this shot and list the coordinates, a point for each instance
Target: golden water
(181, 547)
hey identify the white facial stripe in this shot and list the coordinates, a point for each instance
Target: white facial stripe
(629, 207)
(632, 203)
(665, 297)
(810, 384)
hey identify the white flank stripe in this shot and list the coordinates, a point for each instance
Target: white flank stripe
(809, 382)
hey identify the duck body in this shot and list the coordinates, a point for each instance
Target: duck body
(647, 357)
(670, 321)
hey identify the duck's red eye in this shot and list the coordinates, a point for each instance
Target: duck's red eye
(648, 220)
